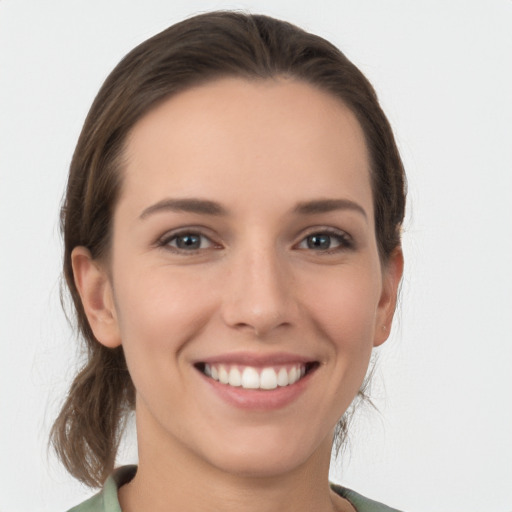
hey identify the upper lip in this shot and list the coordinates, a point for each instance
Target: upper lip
(256, 360)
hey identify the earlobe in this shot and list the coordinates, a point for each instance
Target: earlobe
(392, 275)
(93, 285)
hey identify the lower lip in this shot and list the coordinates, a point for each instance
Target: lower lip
(257, 399)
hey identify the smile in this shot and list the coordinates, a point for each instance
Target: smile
(262, 378)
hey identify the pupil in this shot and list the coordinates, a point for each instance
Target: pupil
(319, 242)
(188, 242)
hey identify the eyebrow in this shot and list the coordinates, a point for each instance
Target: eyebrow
(207, 207)
(192, 205)
(328, 205)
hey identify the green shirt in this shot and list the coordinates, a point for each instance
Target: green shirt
(106, 500)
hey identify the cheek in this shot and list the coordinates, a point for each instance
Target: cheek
(345, 309)
(158, 298)
(158, 312)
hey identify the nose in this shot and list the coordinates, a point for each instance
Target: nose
(259, 293)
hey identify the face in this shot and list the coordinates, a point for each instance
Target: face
(244, 281)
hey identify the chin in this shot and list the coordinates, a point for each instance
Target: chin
(265, 456)
(260, 465)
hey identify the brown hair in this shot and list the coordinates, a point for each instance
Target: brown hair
(87, 431)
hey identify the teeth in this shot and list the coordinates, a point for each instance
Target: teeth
(268, 379)
(250, 378)
(255, 378)
(223, 375)
(282, 377)
(235, 379)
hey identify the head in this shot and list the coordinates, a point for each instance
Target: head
(198, 51)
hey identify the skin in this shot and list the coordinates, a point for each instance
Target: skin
(255, 285)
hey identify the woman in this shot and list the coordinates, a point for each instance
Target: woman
(232, 246)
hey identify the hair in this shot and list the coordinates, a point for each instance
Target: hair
(87, 432)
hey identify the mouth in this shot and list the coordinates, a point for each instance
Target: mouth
(266, 378)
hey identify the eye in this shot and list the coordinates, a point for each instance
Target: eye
(327, 241)
(186, 241)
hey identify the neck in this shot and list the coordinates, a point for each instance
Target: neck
(171, 477)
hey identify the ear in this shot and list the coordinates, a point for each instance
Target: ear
(95, 289)
(391, 276)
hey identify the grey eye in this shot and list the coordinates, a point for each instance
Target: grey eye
(319, 241)
(326, 241)
(188, 241)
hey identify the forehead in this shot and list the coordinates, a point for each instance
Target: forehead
(283, 138)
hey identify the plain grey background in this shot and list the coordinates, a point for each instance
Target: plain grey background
(441, 441)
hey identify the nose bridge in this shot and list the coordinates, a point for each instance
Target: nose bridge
(259, 292)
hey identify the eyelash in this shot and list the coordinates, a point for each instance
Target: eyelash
(166, 240)
(344, 241)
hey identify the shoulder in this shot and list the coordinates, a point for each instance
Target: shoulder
(360, 503)
(93, 504)
(106, 500)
